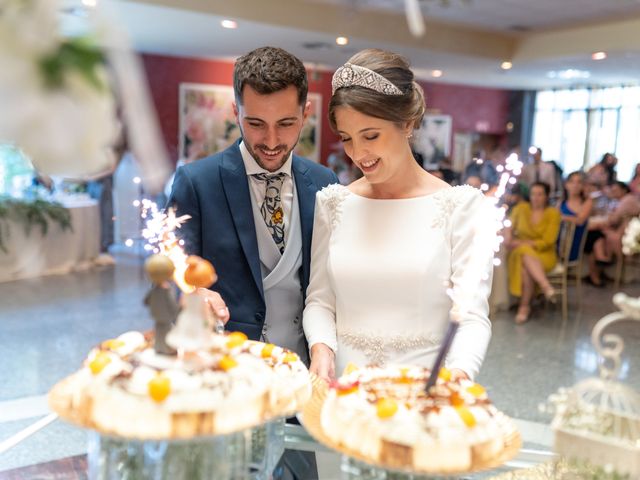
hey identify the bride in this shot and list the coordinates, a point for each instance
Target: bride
(389, 251)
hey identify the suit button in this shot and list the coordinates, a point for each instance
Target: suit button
(259, 317)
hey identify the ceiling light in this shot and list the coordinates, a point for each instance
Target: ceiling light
(598, 55)
(436, 73)
(342, 40)
(229, 24)
(506, 65)
(89, 3)
(569, 74)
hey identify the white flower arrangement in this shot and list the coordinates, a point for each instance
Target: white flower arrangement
(631, 237)
(57, 105)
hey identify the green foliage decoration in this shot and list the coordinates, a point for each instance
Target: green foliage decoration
(31, 213)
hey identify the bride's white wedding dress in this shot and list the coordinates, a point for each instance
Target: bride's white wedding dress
(380, 272)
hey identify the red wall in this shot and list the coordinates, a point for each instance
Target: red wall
(473, 109)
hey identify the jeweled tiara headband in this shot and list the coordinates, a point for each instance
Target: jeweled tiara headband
(350, 75)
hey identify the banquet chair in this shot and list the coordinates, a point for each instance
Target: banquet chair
(623, 262)
(559, 275)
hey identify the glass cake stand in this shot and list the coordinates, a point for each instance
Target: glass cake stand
(248, 455)
(224, 457)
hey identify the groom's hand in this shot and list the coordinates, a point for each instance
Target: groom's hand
(216, 303)
(323, 362)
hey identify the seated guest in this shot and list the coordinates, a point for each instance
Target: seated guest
(634, 184)
(576, 208)
(598, 197)
(474, 181)
(514, 195)
(532, 243)
(603, 173)
(604, 240)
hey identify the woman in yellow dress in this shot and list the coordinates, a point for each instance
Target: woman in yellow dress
(532, 243)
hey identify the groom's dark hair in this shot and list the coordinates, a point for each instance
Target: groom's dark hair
(269, 70)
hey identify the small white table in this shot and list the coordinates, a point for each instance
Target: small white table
(58, 251)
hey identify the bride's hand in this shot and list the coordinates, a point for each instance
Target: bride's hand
(456, 374)
(323, 362)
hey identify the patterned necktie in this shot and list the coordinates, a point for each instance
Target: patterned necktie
(271, 208)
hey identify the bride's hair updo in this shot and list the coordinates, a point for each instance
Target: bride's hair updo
(405, 107)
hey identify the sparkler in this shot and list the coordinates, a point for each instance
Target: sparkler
(160, 235)
(161, 238)
(485, 238)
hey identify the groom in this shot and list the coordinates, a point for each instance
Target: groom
(252, 204)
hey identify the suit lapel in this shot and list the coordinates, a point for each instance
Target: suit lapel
(306, 190)
(236, 189)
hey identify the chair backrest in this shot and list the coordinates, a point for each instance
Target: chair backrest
(583, 240)
(565, 242)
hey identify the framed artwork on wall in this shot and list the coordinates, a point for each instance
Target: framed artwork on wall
(208, 125)
(433, 140)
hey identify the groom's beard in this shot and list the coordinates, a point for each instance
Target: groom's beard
(269, 164)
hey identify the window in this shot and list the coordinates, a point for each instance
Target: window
(16, 171)
(577, 127)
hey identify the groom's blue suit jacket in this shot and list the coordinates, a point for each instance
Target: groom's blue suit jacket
(215, 192)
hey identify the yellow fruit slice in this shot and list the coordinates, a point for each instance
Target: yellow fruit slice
(466, 416)
(98, 363)
(112, 344)
(159, 387)
(290, 358)
(267, 350)
(476, 390)
(445, 374)
(227, 363)
(349, 368)
(235, 339)
(386, 408)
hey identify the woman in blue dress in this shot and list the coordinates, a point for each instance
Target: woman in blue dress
(576, 208)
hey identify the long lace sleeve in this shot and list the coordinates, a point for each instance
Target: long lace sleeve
(319, 318)
(471, 341)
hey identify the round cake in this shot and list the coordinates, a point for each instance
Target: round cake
(386, 416)
(127, 389)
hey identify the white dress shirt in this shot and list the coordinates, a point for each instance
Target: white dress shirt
(258, 187)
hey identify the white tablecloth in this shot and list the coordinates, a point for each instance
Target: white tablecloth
(58, 251)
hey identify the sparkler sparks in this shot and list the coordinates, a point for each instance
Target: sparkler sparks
(161, 238)
(486, 237)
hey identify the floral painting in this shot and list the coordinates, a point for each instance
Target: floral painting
(208, 125)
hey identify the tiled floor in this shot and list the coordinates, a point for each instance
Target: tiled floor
(47, 325)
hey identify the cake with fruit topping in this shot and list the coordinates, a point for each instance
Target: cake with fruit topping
(386, 416)
(126, 388)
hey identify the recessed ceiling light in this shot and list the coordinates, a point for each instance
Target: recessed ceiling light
(229, 24)
(436, 73)
(89, 3)
(598, 55)
(506, 65)
(342, 40)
